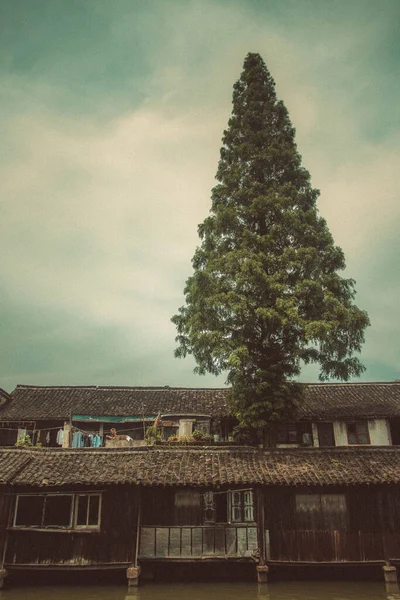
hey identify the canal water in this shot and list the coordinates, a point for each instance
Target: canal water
(291, 590)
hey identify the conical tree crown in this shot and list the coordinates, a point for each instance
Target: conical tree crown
(266, 293)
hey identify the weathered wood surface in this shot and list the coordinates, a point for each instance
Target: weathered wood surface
(5, 505)
(333, 546)
(112, 545)
(197, 542)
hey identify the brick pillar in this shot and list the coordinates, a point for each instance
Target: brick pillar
(262, 573)
(390, 574)
(132, 574)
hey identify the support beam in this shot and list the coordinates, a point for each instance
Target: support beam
(262, 573)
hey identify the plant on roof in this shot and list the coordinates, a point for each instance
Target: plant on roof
(152, 435)
(266, 295)
(185, 439)
(201, 436)
(24, 441)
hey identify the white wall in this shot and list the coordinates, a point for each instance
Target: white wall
(185, 427)
(314, 427)
(340, 433)
(379, 432)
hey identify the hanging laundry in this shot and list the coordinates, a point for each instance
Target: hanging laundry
(60, 437)
(48, 437)
(97, 441)
(77, 439)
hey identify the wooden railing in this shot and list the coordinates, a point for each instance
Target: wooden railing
(194, 542)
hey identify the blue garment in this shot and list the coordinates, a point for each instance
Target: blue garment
(77, 439)
(97, 441)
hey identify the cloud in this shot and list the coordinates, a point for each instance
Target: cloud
(104, 184)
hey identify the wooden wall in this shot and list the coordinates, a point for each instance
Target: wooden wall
(5, 506)
(169, 506)
(114, 544)
(324, 524)
(311, 525)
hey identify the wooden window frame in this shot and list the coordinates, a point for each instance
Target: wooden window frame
(364, 423)
(288, 431)
(242, 506)
(73, 513)
(76, 503)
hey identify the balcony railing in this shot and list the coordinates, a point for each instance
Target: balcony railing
(191, 542)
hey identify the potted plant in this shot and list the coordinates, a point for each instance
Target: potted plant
(198, 435)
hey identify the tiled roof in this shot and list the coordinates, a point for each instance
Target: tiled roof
(199, 467)
(327, 401)
(31, 402)
(12, 463)
(4, 396)
(323, 401)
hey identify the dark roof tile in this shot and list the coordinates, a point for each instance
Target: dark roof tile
(323, 401)
(205, 466)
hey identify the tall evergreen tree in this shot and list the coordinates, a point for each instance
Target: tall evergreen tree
(266, 294)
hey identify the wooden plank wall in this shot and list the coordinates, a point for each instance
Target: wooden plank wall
(171, 507)
(359, 524)
(5, 505)
(334, 546)
(114, 544)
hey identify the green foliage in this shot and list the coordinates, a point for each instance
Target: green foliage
(266, 294)
(25, 442)
(199, 435)
(185, 439)
(152, 435)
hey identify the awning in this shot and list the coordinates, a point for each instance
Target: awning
(109, 419)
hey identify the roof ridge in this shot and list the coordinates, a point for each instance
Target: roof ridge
(117, 387)
(177, 387)
(202, 449)
(351, 383)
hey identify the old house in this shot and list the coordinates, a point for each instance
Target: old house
(326, 494)
(331, 414)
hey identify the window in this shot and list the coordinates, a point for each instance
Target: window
(294, 433)
(87, 510)
(57, 511)
(357, 432)
(241, 506)
(209, 507)
(321, 511)
(287, 433)
(228, 507)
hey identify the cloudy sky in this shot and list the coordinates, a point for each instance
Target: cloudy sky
(112, 116)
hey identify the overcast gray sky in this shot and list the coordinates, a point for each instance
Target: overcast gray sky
(113, 114)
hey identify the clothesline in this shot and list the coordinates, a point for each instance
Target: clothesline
(58, 427)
